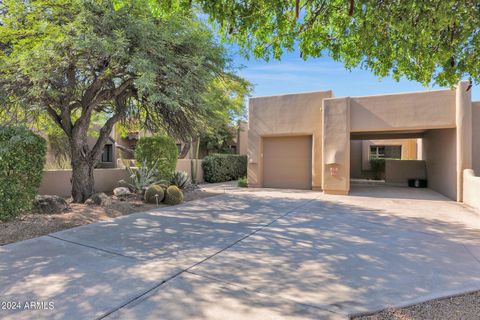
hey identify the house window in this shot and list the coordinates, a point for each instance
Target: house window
(107, 155)
(386, 152)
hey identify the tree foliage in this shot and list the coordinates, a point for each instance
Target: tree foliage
(159, 152)
(81, 60)
(430, 41)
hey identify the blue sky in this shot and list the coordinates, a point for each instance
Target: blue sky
(292, 74)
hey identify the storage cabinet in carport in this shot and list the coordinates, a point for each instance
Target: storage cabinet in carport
(287, 162)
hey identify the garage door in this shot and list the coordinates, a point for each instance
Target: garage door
(287, 162)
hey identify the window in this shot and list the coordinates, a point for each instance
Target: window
(107, 155)
(386, 152)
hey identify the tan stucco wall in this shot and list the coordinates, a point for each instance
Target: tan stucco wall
(471, 188)
(58, 181)
(285, 115)
(356, 171)
(464, 133)
(397, 172)
(186, 165)
(242, 139)
(336, 146)
(439, 151)
(405, 111)
(476, 137)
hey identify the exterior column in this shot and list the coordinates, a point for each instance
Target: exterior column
(336, 146)
(464, 133)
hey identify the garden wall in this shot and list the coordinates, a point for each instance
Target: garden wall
(471, 188)
(58, 181)
(185, 165)
(397, 172)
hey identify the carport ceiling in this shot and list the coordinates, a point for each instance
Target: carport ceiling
(384, 135)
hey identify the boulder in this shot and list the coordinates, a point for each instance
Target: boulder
(99, 199)
(50, 204)
(121, 192)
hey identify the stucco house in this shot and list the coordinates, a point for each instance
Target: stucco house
(317, 141)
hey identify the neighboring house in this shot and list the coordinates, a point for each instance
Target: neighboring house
(316, 141)
(125, 144)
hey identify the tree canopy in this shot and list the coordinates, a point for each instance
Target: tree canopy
(429, 41)
(80, 60)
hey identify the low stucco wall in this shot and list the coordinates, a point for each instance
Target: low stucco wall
(471, 188)
(186, 165)
(397, 172)
(58, 181)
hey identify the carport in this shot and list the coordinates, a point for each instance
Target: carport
(437, 117)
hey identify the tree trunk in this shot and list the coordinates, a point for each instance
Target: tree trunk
(185, 150)
(82, 180)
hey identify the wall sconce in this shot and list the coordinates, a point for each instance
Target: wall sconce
(333, 171)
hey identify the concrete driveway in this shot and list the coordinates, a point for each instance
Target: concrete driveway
(250, 254)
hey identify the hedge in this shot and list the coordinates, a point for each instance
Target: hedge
(160, 151)
(224, 167)
(22, 158)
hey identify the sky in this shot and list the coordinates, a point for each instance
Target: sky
(292, 74)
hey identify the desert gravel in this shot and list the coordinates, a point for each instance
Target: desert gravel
(461, 307)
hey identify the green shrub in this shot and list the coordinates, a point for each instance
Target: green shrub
(160, 152)
(377, 166)
(243, 182)
(173, 195)
(179, 179)
(224, 167)
(22, 157)
(154, 194)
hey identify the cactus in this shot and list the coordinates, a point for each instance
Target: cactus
(173, 195)
(179, 179)
(154, 194)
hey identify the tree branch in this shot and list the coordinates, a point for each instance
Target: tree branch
(121, 108)
(55, 117)
(350, 10)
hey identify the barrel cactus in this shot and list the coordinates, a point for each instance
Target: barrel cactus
(173, 195)
(154, 194)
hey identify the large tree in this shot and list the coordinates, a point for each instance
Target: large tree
(430, 41)
(77, 59)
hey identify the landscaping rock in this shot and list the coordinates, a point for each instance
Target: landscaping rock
(121, 192)
(99, 199)
(50, 204)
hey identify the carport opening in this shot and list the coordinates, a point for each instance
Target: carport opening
(392, 158)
